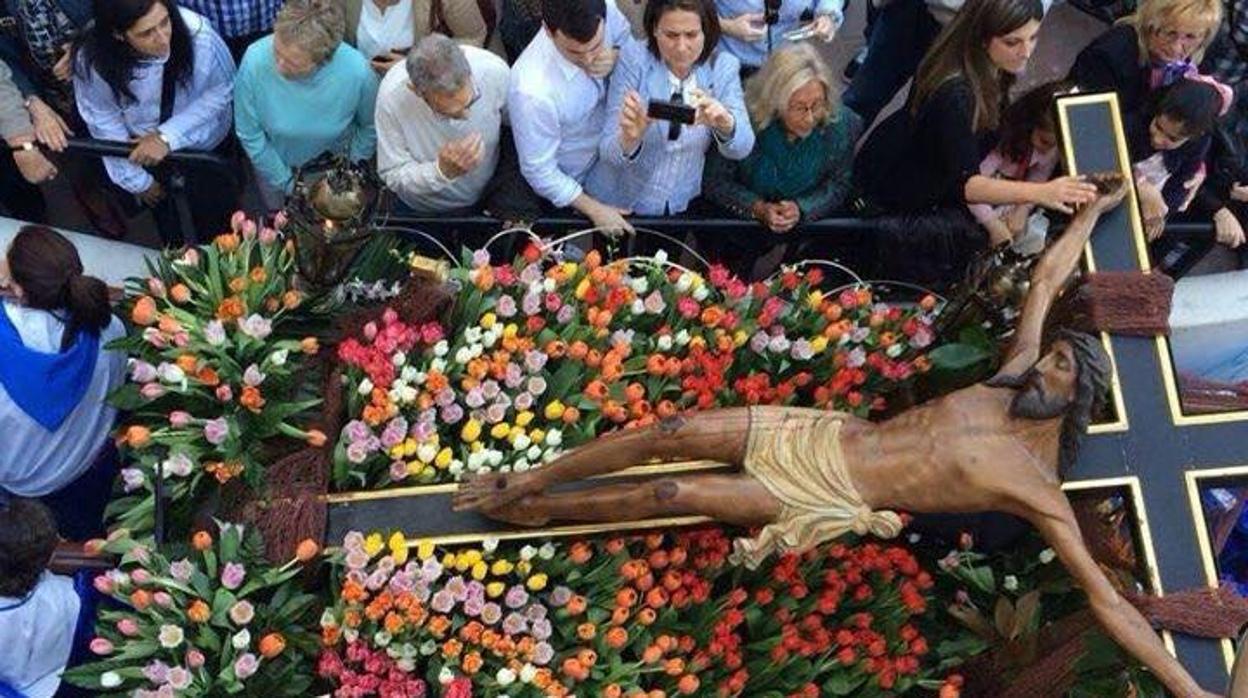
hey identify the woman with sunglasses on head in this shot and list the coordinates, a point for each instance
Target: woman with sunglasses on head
(923, 163)
(653, 166)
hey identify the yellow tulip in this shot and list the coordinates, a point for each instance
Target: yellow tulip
(501, 567)
(818, 344)
(536, 436)
(424, 549)
(444, 458)
(398, 547)
(409, 447)
(523, 567)
(739, 338)
(582, 289)
(500, 430)
(815, 299)
(537, 582)
(510, 331)
(373, 544)
(554, 410)
(523, 419)
(495, 589)
(471, 431)
(480, 570)
(488, 320)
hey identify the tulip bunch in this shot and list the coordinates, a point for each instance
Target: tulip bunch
(637, 616)
(213, 368)
(219, 620)
(547, 354)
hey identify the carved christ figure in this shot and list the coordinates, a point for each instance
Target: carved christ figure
(807, 476)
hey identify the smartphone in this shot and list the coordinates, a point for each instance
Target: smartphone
(670, 111)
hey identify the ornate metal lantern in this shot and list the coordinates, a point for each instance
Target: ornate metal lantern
(331, 214)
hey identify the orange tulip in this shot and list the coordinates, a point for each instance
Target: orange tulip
(576, 605)
(307, 550)
(180, 293)
(309, 345)
(141, 599)
(137, 436)
(688, 684)
(316, 438)
(252, 399)
(586, 631)
(259, 275)
(227, 242)
(202, 540)
(272, 645)
(198, 612)
(187, 362)
(617, 637)
(144, 311)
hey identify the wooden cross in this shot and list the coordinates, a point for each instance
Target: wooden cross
(1155, 450)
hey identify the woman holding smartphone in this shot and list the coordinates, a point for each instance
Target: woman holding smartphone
(654, 166)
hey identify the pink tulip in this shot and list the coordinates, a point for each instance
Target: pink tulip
(156, 287)
(224, 393)
(141, 576)
(237, 220)
(249, 230)
(151, 391)
(162, 599)
(103, 584)
(268, 236)
(279, 220)
(179, 418)
(101, 646)
(127, 627)
(194, 658)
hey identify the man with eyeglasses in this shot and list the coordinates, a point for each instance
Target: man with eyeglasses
(439, 119)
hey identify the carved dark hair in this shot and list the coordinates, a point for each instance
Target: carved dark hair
(1094, 373)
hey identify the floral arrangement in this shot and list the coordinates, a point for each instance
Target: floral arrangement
(647, 615)
(549, 354)
(213, 368)
(219, 620)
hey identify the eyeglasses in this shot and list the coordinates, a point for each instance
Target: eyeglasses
(460, 114)
(814, 109)
(1170, 36)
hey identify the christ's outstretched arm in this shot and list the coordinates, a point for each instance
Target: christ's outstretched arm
(1047, 280)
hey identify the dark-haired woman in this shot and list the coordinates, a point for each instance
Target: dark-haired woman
(653, 167)
(161, 77)
(55, 377)
(922, 163)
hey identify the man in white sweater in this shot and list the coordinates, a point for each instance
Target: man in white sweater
(439, 119)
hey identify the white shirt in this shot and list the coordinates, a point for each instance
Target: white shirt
(379, 30)
(202, 109)
(37, 634)
(34, 461)
(410, 134)
(558, 112)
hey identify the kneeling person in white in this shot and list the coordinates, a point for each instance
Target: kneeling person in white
(438, 120)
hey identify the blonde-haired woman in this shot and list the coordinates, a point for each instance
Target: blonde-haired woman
(300, 92)
(800, 167)
(1163, 41)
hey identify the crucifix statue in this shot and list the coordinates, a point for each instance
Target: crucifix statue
(808, 476)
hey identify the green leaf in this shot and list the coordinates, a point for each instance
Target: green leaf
(957, 356)
(844, 682)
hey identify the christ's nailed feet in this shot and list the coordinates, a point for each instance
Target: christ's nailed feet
(489, 491)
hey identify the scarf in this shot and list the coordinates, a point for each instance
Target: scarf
(46, 386)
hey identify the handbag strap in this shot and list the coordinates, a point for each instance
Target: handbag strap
(168, 83)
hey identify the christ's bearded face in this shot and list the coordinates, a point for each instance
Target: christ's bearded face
(1047, 390)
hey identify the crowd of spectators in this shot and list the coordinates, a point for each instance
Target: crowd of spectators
(520, 109)
(609, 109)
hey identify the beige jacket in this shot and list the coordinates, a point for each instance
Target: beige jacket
(464, 22)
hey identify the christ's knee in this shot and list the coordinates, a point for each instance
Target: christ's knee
(666, 496)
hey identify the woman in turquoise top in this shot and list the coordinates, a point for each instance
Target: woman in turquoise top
(653, 167)
(301, 92)
(801, 165)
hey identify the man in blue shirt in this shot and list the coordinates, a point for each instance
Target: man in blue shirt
(239, 22)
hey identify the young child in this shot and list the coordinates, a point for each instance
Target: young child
(38, 610)
(1026, 151)
(1224, 195)
(1169, 144)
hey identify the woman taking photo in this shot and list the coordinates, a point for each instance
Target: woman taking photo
(1163, 41)
(923, 161)
(654, 167)
(153, 74)
(55, 377)
(302, 92)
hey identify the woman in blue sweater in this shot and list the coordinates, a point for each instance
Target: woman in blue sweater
(301, 92)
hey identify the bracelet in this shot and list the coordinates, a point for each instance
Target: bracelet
(27, 147)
